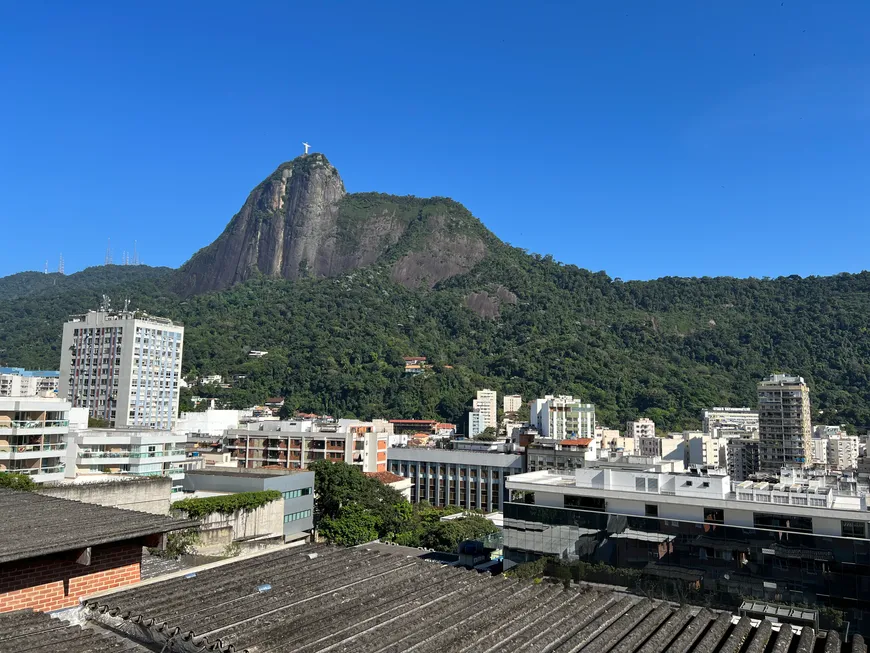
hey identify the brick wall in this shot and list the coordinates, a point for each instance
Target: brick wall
(52, 582)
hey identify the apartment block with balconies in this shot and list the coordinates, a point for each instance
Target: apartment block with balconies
(296, 444)
(785, 431)
(123, 451)
(33, 436)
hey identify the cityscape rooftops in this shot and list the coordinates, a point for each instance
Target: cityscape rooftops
(20, 371)
(26, 630)
(389, 600)
(36, 525)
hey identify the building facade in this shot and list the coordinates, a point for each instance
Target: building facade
(730, 422)
(842, 452)
(796, 541)
(560, 455)
(704, 450)
(296, 444)
(476, 423)
(784, 426)
(296, 488)
(33, 437)
(744, 458)
(125, 451)
(667, 448)
(563, 417)
(512, 403)
(640, 428)
(18, 382)
(487, 404)
(471, 480)
(123, 366)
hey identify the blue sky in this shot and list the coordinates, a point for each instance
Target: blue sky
(646, 138)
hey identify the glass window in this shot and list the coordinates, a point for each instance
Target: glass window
(714, 515)
(792, 523)
(585, 503)
(651, 510)
(853, 529)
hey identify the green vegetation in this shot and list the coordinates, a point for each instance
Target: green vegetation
(350, 508)
(13, 481)
(487, 435)
(664, 349)
(178, 543)
(225, 505)
(97, 423)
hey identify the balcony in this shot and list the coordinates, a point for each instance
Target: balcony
(35, 424)
(37, 471)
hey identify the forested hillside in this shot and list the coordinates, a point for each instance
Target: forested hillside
(665, 349)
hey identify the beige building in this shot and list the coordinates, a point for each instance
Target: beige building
(33, 437)
(18, 382)
(487, 405)
(843, 452)
(641, 428)
(512, 403)
(784, 425)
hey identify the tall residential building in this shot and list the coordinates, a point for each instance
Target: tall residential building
(744, 458)
(33, 432)
(476, 423)
(132, 452)
(123, 366)
(563, 417)
(18, 382)
(295, 444)
(641, 428)
(730, 422)
(842, 452)
(784, 423)
(512, 403)
(486, 403)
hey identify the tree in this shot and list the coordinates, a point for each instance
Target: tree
(14, 481)
(354, 525)
(486, 435)
(98, 423)
(446, 535)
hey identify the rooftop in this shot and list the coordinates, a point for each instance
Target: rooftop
(385, 477)
(36, 632)
(259, 472)
(36, 525)
(392, 601)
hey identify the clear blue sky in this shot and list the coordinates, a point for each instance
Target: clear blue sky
(645, 138)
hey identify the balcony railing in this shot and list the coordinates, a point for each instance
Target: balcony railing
(22, 448)
(34, 471)
(34, 424)
(131, 454)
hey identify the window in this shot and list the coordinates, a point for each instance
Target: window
(853, 529)
(714, 515)
(295, 516)
(651, 510)
(295, 494)
(791, 523)
(585, 503)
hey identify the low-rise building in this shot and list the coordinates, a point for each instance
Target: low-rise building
(212, 422)
(563, 417)
(790, 541)
(726, 422)
(296, 488)
(54, 551)
(819, 450)
(704, 450)
(442, 477)
(668, 447)
(19, 382)
(125, 451)
(400, 484)
(295, 444)
(33, 436)
(561, 455)
(843, 452)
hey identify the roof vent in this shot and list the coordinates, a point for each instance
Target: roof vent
(190, 575)
(265, 587)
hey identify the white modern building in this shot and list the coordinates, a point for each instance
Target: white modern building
(512, 403)
(124, 366)
(476, 423)
(134, 452)
(640, 428)
(19, 382)
(563, 417)
(211, 422)
(33, 432)
(819, 449)
(705, 451)
(724, 422)
(487, 404)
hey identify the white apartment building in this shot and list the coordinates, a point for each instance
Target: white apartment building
(668, 448)
(33, 432)
(843, 452)
(124, 366)
(723, 422)
(487, 404)
(476, 423)
(211, 422)
(705, 450)
(512, 403)
(125, 451)
(295, 444)
(641, 428)
(819, 449)
(563, 417)
(18, 382)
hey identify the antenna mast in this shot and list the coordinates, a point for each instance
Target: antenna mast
(46, 266)
(60, 265)
(135, 254)
(109, 252)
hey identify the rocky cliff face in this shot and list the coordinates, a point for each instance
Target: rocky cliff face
(300, 222)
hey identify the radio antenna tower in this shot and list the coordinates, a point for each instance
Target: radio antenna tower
(60, 264)
(135, 254)
(46, 266)
(109, 252)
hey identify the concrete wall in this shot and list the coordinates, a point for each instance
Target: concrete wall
(146, 494)
(218, 531)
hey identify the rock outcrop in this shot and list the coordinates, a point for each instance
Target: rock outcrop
(300, 222)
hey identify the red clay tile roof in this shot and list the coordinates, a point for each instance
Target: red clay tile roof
(412, 421)
(582, 442)
(385, 477)
(445, 425)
